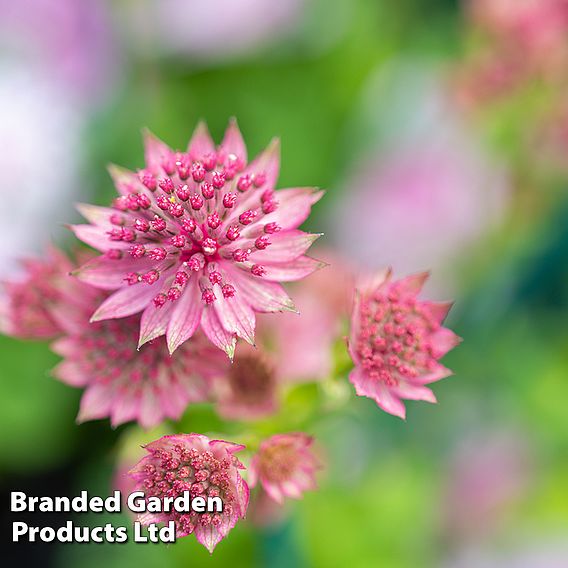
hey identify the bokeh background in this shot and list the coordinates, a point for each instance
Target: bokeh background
(440, 130)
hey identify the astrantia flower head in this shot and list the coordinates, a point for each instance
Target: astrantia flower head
(396, 341)
(120, 381)
(285, 466)
(125, 384)
(208, 468)
(28, 304)
(199, 239)
(248, 389)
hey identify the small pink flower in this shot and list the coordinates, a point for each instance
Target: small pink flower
(535, 25)
(396, 341)
(27, 304)
(193, 462)
(123, 383)
(285, 466)
(248, 389)
(199, 239)
(120, 381)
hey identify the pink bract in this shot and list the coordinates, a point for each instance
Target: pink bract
(193, 462)
(285, 466)
(396, 340)
(199, 239)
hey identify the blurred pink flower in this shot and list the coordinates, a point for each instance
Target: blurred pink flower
(68, 40)
(199, 239)
(536, 27)
(27, 305)
(396, 340)
(487, 474)
(248, 389)
(125, 384)
(304, 341)
(526, 40)
(193, 462)
(210, 29)
(420, 205)
(285, 466)
(120, 381)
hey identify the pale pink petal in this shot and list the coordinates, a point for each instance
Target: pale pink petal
(186, 316)
(209, 536)
(233, 142)
(439, 372)
(109, 274)
(286, 246)
(125, 407)
(216, 333)
(127, 301)
(149, 413)
(236, 316)
(71, 373)
(406, 389)
(274, 491)
(155, 152)
(201, 143)
(154, 322)
(263, 296)
(96, 215)
(378, 391)
(96, 403)
(97, 237)
(294, 206)
(291, 271)
(443, 340)
(124, 180)
(412, 284)
(438, 310)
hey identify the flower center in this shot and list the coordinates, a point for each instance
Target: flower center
(393, 340)
(189, 219)
(201, 473)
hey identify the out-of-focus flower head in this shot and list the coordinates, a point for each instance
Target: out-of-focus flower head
(409, 204)
(303, 343)
(204, 467)
(396, 340)
(524, 40)
(120, 381)
(29, 306)
(199, 239)
(487, 475)
(536, 27)
(248, 390)
(210, 30)
(285, 466)
(125, 384)
(69, 41)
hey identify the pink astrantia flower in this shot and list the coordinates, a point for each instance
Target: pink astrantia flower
(396, 341)
(124, 384)
(120, 381)
(285, 466)
(248, 389)
(199, 239)
(193, 462)
(27, 304)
